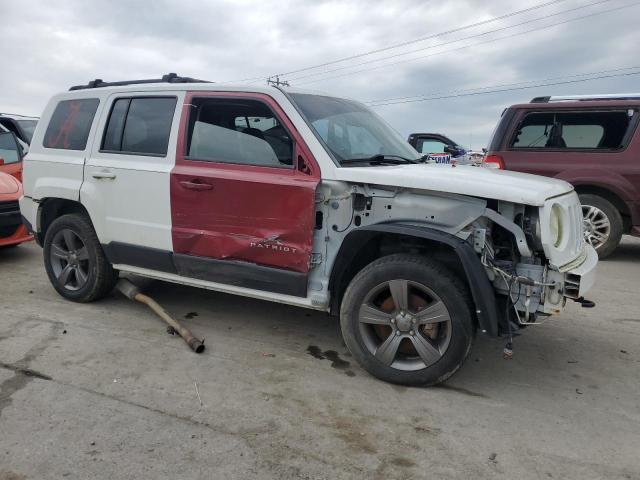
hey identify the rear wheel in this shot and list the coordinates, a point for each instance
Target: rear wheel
(74, 260)
(406, 319)
(602, 224)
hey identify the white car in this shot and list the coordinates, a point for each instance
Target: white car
(23, 145)
(299, 198)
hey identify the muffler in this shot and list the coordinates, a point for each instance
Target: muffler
(132, 292)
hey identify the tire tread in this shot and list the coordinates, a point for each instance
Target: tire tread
(105, 275)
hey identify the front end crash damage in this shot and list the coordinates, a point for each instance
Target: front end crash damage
(519, 257)
(528, 277)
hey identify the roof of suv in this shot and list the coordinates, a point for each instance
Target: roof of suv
(174, 82)
(182, 87)
(582, 101)
(195, 86)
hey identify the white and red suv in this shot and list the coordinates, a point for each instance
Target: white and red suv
(304, 199)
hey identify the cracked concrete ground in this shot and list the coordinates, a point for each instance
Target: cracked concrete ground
(101, 391)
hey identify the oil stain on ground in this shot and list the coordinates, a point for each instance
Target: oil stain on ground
(23, 375)
(6, 475)
(333, 356)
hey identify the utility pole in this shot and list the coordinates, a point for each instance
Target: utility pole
(277, 82)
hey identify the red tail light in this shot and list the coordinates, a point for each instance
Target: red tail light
(493, 161)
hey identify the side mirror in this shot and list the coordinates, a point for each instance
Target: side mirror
(1, 161)
(449, 149)
(10, 150)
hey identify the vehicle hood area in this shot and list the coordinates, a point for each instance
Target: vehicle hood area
(9, 186)
(508, 186)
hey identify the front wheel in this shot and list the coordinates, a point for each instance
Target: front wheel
(74, 260)
(406, 319)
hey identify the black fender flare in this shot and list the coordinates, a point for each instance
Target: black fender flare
(482, 291)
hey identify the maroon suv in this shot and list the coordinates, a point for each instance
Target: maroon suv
(590, 141)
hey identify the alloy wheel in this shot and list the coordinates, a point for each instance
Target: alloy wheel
(405, 325)
(69, 259)
(597, 227)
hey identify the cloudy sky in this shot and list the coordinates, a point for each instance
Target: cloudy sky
(49, 46)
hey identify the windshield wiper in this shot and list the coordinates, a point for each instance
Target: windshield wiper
(379, 160)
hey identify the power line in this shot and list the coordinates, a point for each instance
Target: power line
(408, 42)
(563, 77)
(422, 39)
(508, 27)
(243, 80)
(473, 44)
(506, 89)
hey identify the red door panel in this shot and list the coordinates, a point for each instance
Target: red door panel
(261, 215)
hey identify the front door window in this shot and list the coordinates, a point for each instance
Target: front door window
(237, 131)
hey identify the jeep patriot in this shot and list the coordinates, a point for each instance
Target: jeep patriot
(300, 198)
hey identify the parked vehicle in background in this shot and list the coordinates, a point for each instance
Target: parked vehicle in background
(476, 157)
(11, 154)
(439, 148)
(591, 141)
(21, 125)
(24, 149)
(12, 231)
(304, 199)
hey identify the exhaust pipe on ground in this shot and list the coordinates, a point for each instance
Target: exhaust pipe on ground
(132, 292)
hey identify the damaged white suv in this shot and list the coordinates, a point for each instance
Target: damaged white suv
(304, 199)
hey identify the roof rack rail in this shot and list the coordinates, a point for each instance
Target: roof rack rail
(168, 78)
(580, 98)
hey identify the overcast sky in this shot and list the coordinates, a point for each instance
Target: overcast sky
(49, 46)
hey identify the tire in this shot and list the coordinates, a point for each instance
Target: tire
(601, 219)
(82, 274)
(432, 292)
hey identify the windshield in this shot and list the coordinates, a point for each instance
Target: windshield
(28, 127)
(350, 130)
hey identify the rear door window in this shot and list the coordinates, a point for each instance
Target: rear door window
(585, 130)
(70, 124)
(139, 126)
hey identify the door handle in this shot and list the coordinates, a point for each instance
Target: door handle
(104, 174)
(196, 185)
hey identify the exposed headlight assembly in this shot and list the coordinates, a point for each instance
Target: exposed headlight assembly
(556, 225)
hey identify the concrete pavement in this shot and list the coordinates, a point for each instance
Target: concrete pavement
(102, 391)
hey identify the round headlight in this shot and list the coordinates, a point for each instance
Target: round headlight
(555, 225)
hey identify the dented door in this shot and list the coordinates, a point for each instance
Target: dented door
(243, 213)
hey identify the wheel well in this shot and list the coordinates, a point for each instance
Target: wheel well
(52, 208)
(373, 245)
(615, 200)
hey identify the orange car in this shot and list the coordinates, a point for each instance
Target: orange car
(12, 231)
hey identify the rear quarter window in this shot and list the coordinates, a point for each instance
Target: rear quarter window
(70, 124)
